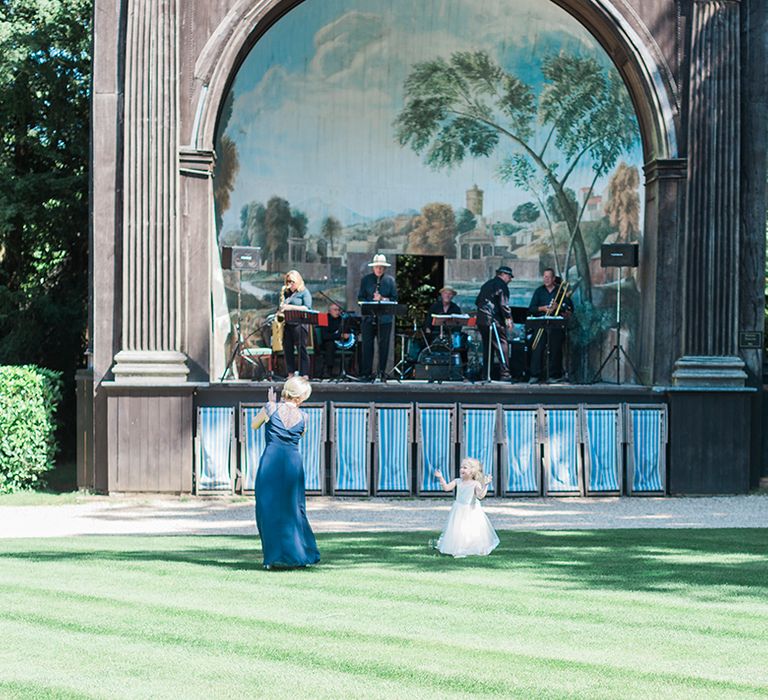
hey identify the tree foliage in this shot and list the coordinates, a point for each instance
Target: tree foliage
(44, 109)
(526, 213)
(468, 105)
(330, 230)
(465, 221)
(434, 232)
(623, 205)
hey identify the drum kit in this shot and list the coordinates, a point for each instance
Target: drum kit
(454, 355)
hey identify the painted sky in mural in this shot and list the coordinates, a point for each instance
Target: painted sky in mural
(316, 98)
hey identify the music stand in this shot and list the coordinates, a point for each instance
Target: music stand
(302, 317)
(382, 308)
(547, 323)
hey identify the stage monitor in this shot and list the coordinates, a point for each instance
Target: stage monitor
(240, 257)
(619, 255)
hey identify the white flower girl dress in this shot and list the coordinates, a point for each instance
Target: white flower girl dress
(468, 530)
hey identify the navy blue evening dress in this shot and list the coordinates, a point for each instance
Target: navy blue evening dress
(281, 513)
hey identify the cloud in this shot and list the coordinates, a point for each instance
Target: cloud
(324, 127)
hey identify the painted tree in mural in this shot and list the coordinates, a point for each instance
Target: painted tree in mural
(277, 225)
(434, 232)
(623, 206)
(465, 221)
(226, 167)
(253, 230)
(526, 213)
(330, 230)
(469, 105)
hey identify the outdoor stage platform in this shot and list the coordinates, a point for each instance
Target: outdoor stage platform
(387, 439)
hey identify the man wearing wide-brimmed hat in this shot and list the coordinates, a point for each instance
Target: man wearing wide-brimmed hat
(493, 310)
(443, 306)
(376, 286)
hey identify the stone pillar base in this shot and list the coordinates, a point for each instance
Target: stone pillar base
(150, 367)
(709, 372)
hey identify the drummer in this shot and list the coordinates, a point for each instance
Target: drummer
(443, 306)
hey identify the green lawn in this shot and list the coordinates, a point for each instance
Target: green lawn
(592, 614)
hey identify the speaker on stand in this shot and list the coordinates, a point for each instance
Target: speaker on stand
(619, 256)
(238, 258)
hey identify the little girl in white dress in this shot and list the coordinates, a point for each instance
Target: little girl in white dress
(468, 530)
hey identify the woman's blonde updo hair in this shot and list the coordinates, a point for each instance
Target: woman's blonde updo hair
(296, 277)
(296, 388)
(475, 467)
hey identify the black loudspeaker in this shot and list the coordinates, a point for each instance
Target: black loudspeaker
(240, 257)
(619, 255)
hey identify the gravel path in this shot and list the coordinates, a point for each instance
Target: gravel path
(165, 516)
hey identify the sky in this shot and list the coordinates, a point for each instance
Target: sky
(315, 100)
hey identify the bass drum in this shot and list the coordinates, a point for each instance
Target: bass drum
(346, 344)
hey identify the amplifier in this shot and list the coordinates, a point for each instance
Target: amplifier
(619, 255)
(240, 257)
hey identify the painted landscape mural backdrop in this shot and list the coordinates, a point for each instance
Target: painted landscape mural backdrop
(494, 132)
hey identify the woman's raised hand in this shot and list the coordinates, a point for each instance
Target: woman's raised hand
(438, 474)
(487, 479)
(271, 396)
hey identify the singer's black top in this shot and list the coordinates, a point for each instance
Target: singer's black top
(387, 289)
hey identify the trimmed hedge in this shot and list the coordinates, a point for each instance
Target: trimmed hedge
(29, 397)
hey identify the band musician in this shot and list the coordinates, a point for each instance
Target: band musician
(443, 306)
(295, 297)
(376, 286)
(542, 303)
(493, 310)
(328, 336)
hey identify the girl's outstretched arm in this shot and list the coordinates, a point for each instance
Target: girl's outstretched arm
(481, 490)
(445, 485)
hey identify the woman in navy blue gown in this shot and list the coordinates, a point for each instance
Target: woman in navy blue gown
(287, 539)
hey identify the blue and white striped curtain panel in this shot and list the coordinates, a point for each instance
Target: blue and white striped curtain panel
(393, 450)
(523, 466)
(253, 445)
(350, 446)
(647, 449)
(562, 464)
(215, 448)
(478, 438)
(435, 446)
(603, 449)
(312, 448)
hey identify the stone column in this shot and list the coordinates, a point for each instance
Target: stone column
(151, 285)
(711, 254)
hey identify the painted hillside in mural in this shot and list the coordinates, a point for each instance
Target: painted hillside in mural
(488, 133)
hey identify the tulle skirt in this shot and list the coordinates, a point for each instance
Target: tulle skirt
(467, 532)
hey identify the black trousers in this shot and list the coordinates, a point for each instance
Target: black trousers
(539, 355)
(488, 338)
(369, 331)
(295, 338)
(327, 357)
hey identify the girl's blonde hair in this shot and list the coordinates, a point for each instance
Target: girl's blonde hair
(296, 387)
(475, 466)
(296, 277)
